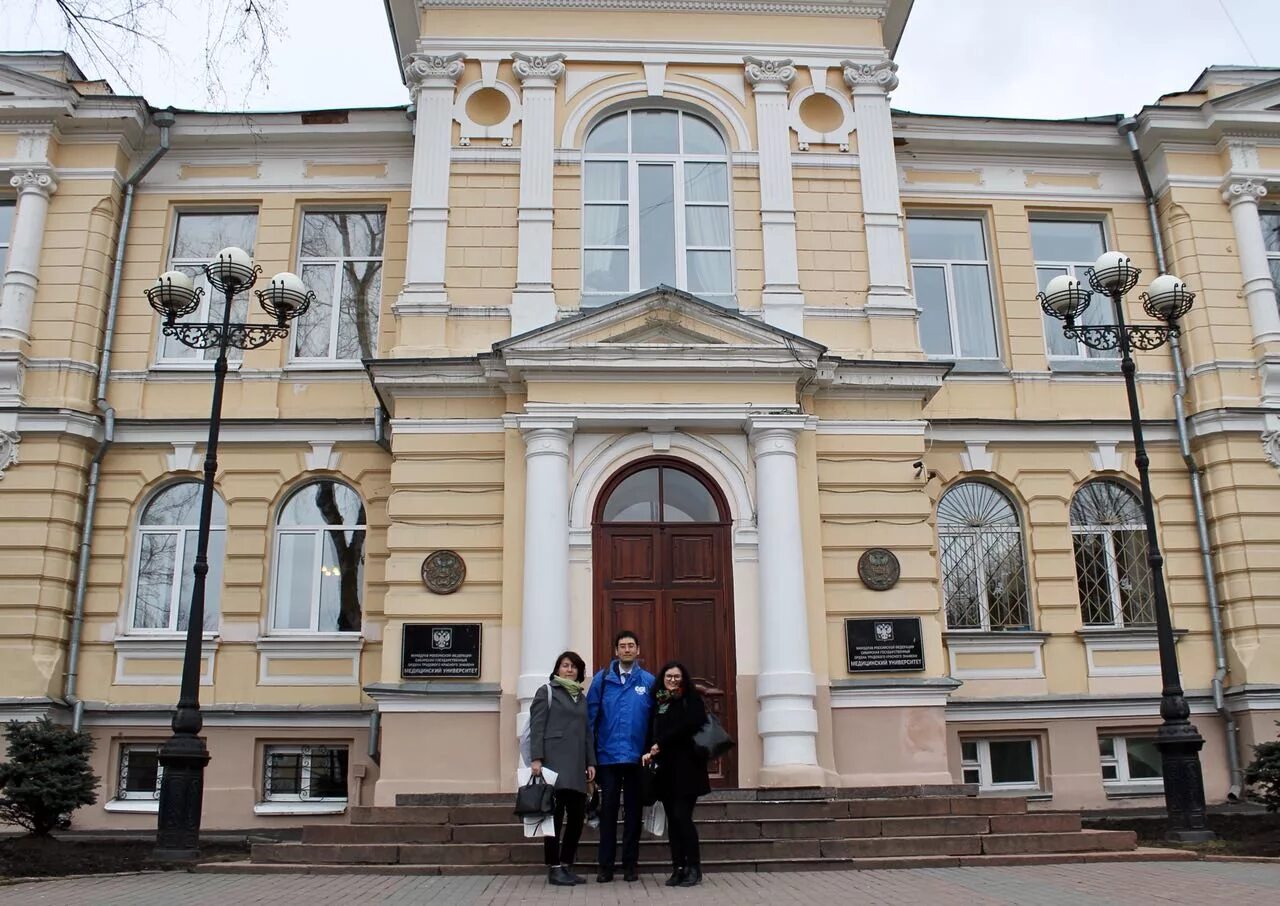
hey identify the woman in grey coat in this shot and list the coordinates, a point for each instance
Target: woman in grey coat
(560, 739)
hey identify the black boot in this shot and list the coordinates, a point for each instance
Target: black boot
(558, 876)
(676, 877)
(577, 878)
(692, 876)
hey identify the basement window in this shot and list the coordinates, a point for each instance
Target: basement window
(305, 775)
(138, 779)
(1001, 764)
(1130, 761)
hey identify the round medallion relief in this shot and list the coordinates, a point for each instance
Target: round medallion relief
(878, 569)
(443, 572)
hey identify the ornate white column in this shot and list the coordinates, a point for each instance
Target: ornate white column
(18, 292)
(545, 614)
(788, 722)
(534, 303)
(877, 165)
(432, 79)
(1242, 196)
(783, 300)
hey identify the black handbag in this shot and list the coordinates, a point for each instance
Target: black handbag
(537, 797)
(649, 784)
(712, 740)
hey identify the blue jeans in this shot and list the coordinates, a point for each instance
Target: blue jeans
(619, 783)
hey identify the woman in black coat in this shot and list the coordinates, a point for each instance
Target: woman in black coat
(678, 713)
(560, 738)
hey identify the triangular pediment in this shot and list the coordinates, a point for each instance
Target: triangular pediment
(1264, 96)
(663, 320)
(25, 90)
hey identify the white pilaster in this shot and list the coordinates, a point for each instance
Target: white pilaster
(432, 80)
(1242, 196)
(545, 623)
(783, 300)
(18, 292)
(786, 688)
(878, 170)
(534, 303)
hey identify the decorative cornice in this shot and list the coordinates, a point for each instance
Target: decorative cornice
(863, 10)
(1248, 189)
(34, 180)
(535, 66)
(883, 74)
(423, 68)
(769, 74)
(1270, 447)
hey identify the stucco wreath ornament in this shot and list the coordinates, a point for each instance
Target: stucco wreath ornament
(1270, 448)
(9, 441)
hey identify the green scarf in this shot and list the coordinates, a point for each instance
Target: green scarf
(573, 687)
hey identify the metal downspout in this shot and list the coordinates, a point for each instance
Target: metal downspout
(164, 119)
(1236, 783)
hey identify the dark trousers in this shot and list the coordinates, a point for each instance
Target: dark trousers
(681, 832)
(619, 783)
(571, 810)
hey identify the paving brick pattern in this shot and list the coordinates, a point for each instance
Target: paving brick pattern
(1046, 885)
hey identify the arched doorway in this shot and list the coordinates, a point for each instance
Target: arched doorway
(660, 548)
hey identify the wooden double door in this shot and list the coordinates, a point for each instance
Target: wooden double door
(662, 567)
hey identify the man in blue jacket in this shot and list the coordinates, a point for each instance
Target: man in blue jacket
(618, 705)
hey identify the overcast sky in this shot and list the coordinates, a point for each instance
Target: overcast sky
(1032, 58)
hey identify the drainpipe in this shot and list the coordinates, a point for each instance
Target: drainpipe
(1236, 784)
(164, 119)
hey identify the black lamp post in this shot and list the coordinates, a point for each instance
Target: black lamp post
(183, 756)
(1167, 299)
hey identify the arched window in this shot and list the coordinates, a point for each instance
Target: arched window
(660, 494)
(319, 560)
(984, 572)
(655, 193)
(1109, 535)
(166, 553)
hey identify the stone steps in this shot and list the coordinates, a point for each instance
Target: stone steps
(746, 830)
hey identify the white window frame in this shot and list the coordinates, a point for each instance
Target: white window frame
(1119, 760)
(1273, 255)
(5, 238)
(980, 566)
(677, 160)
(212, 594)
(1108, 533)
(1077, 269)
(198, 358)
(982, 764)
(945, 264)
(304, 780)
(317, 561)
(335, 263)
(122, 772)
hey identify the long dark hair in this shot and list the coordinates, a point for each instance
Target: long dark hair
(687, 688)
(575, 659)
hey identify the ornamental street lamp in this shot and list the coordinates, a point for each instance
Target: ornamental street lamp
(183, 756)
(1167, 299)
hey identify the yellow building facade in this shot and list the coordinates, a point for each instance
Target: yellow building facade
(641, 315)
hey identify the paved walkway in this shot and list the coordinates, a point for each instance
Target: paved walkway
(1068, 885)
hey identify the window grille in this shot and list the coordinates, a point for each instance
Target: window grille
(1110, 544)
(140, 772)
(984, 577)
(305, 773)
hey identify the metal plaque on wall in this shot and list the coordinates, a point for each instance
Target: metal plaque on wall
(440, 651)
(443, 572)
(884, 644)
(878, 568)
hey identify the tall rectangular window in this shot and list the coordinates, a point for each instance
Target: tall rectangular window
(1270, 236)
(952, 278)
(1070, 247)
(340, 260)
(198, 237)
(7, 209)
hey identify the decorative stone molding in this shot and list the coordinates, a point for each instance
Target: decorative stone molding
(322, 457)
(883, 74)
(1243, 153)
(421, 69)
(183, 458)
(8, 449)
(503, 130)
(769, 75)
(975, 458)
(1270, 447)
(34, 180)
(1244, 190)
(538, 66)
(1106, 458)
